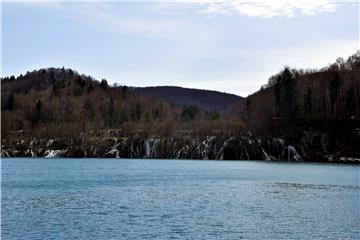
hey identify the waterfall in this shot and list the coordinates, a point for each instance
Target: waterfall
(33, 154)
(53, 153)
(4, 153)
(290, 154)
(148, 148)
(211, 147)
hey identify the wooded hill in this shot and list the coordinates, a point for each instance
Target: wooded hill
(204, 99)
(292, 95)
(59, 102)
(297, 105)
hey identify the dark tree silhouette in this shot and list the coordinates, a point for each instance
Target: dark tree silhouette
(10, 102)
(104, 84)
(37, 113)
(189, 112)
(308, 102)
(334, 90)
(124, 90)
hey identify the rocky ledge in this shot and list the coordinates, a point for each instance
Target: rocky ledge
(219, 148)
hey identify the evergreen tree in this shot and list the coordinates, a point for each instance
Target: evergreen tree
(104, 84)
(89, 109)
(138, 111)
(189, 112)
(124, 90)
(288, 92)
(248, 107)
(123, 115)
(211, 116)
(285, 94)
(350, 102)
(111, 108)
(148, 118)
(90, 88)
(161, 110)
(52, 77)
(334, 89)
(110, 115)
(37, 113)
(155, 113)
(10, 102)
(132, 114)
(308, 102)
(56, 89)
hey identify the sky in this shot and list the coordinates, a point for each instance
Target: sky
(232, 46)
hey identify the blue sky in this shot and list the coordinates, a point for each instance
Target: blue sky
(232, 47)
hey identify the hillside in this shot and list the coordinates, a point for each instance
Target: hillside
(316, 109)
(204, 99)
(332, 92)
(59, 102)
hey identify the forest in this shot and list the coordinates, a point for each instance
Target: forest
(292, 96)
(316, 110)
(59, 102)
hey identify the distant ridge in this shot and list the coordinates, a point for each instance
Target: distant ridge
(208, 100)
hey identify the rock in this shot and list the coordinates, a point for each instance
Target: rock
(274, 147)
(212, 147)
(75, 153)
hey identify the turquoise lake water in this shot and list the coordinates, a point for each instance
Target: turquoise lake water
(178, 199)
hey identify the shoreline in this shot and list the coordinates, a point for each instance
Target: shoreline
(345, 162)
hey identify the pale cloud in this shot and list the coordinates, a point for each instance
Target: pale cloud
(148, 27)
(93, 12)
(104, 15)
(269, 8)
(101, 14)
(171, 8)
(51, 4)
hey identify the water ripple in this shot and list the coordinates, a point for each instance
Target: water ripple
(127, 199)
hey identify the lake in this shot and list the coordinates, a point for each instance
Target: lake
(178, 199)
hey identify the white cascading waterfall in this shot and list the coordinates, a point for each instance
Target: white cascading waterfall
(148, 147)
(292, 154)
(53, 153)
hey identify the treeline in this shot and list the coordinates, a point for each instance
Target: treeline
(52, 103)
(332, 92)
(59, 102)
